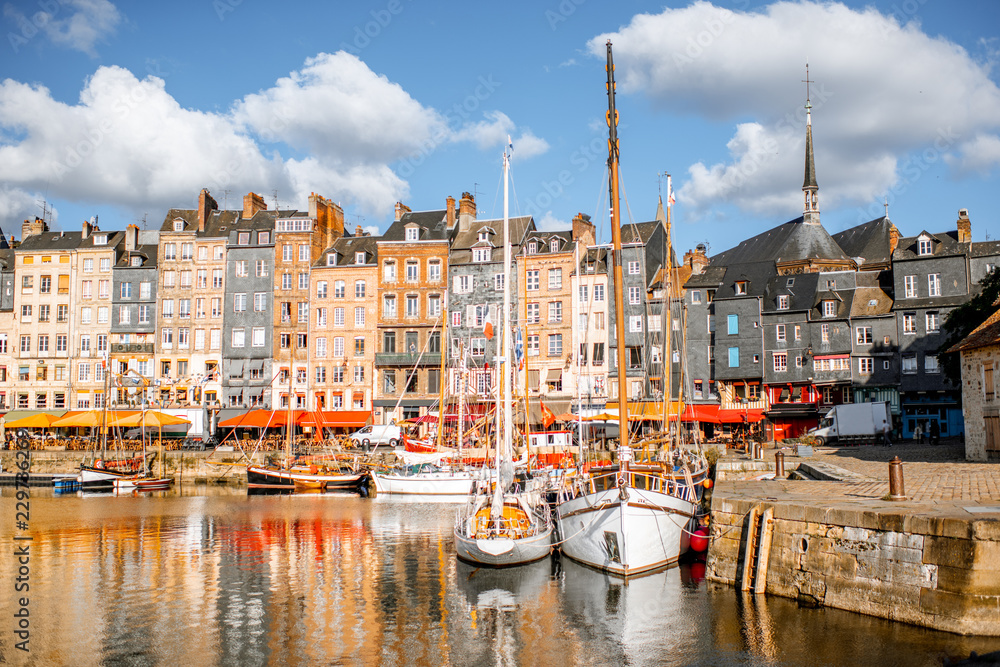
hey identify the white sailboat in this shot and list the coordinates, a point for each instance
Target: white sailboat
(626, 518)
(505, 522)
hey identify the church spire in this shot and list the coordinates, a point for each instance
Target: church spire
(810, 213)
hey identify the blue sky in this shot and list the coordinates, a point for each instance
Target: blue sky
(128, 109)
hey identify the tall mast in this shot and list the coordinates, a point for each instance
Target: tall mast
(505, 359)
(616, 239)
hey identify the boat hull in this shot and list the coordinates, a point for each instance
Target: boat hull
(143, 483)
(504, 552)
(93, 479)
(260, 477)
(628, 535)
(444, 483)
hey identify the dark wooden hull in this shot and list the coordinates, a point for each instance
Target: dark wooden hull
(260, 477)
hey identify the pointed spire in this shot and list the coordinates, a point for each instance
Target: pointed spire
(810, 212)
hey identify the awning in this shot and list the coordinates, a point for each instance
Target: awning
(553, 375)
(236, 369)
(735, 415)
(256, 364)
(338, 418)
(262, 419)
(707, 413)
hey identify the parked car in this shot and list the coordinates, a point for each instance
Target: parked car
(377, 434)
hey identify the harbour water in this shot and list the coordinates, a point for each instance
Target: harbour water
(211, 576)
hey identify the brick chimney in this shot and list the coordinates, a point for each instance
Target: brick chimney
(252, 202)
(583, 230)
(87, 229)
(893, 238)
(131, 238)
(696, 259)
(206, 204)
(33, 227)
(359, 231)
(329, 219)
(402, 209)
(451, 212)
(964, 226)
(466, 212)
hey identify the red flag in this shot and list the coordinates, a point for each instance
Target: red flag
(488, 326)
(548, 417)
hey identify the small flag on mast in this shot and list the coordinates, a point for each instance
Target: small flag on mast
(488, 326)
(670, 192)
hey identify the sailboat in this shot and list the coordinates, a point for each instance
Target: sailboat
(507, 521)
(626, 518)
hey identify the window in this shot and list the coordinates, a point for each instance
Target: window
(734, 324)
(934, 284)
(169, 251)
(910, 286)
(412, 233)
(44, 284)
(184, 308)
(88, 266)
(359, 316)
(532, 281)
(931, 364)
(389, 306)
(924, 246)
(635, 323)
(824, 333)
(216, 278)
(555, 345)
(434, 271)
(242, 268)
(338, 317)
(498, 282)
(145, 290)
(829, 308)
(239, 302)
(482, 254)
(359, 373)
(286, 281)
(598, 292)
(187, 251)
(779, 332)
(909, 323)
(633, 296)
(533, 313)
(909, 364)
(555, 311)
(633, 268)
(103, 289)
(303, 252)
(286, 311)
(359, 289)
(239, 337)
(734, 357)
(782, 302)
(202, 279)
(780, 362)
(740, 287)
(411, 306)
(798, 332)
(434, 305)
(183, 339)
(25, 313)
(866, 366)
(863, 335)
(257, 337)
(167, 337)
(217, 306)
(168, 307)
(933, 322)
(339, 289)
(389, 271)
(463, 284)
(286, 253)
(412, 270)
(43, 313)
(696, 296)
(62, 342)
(389, 382)
(477, 347)
(124, 315)
(598, 358)
(321, 288)
(555, 278)
(260, 301)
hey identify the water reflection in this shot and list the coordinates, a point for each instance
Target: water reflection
(214, 577)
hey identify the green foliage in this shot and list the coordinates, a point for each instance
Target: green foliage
(964, 319)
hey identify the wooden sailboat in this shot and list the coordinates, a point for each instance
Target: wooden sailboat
(505, 522)
(627, 518)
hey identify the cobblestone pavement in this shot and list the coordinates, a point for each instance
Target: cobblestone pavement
(930, 473)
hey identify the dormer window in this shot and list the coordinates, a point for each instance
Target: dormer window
(178, 224)
(740, 287)
(135, 261)
(359, 258)
(831, 284)
(829, 308)
(243, 238)
(481, 254)
(412, 234)
(924, 246)
(591, 267)
(331, 259)
(782, 302)
(263, 238)
(100, 239)
(789, 282)
(484, 236)
(532, 247)
(554, 245)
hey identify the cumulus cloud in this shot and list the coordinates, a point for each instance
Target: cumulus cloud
(981, 154)
(550, 223)
(872, 102)
(74, 24)
(128, 142)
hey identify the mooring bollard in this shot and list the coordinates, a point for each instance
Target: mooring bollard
(779, 465)
(896, 490)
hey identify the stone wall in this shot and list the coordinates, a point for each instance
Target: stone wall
(934, 571)
(975, 406)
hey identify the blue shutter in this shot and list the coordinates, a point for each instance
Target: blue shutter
(734, 324)
(734, 355)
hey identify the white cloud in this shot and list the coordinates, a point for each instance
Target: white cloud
(75, 24)
(981, 154)
(550, 223)
(527, 145)
(491, 131)
(884, 91)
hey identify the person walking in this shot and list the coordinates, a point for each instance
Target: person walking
(885, 436)
(918, 433)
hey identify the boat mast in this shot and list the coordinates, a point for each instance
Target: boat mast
(616, 239)
(668, 357)
(444, 377)
(505, 359)
(288, 419)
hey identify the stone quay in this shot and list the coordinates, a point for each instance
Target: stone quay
(831, 535)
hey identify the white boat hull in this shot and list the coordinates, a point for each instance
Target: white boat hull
(442, 483)
(624, 536)
(503, 551)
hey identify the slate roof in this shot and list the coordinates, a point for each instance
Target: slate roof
(712, 276)
(943, 245)
(985, 249)
(639, 232)
(50, 241)
(217, 225)
(870, 302)
(461, 247)
(987, 333)
(598, 255)
(345, 248)
(146, 251)
(113, 239)
(7, 258)
(788, 242)
(870, 241)
(543, 238)
(800, 293)
(433, 224)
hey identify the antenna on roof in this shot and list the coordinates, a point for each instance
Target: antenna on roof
(275, 202)
(225, 200)
(144, 221)
(886, 204)
(45, 208)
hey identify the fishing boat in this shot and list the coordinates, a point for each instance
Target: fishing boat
(425, 474)
(507, 521)
(305, 477)
(627, 518)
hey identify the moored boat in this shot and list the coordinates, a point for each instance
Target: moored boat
(274, 477)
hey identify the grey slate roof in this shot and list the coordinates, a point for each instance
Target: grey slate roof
(346, 248)
(217, 225)
(870, 302)
(50, 241)
(787, 242)
(639, 232)
(147, 252)
(461, 247)
(433, 224)
(869, 241)
(944, 244)
(800, 293)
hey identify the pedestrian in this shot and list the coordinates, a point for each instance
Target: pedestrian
(918, 433)
(935, 432)
(885, 436)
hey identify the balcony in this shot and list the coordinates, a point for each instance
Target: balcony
(428, 359)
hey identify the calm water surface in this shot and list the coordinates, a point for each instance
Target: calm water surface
(214, 577)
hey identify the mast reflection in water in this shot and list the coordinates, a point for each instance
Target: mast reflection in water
(220, 578)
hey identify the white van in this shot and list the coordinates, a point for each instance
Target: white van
(377, 434)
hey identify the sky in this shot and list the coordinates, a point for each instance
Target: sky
(126, 109)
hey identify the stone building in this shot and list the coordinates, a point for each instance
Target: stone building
(591, 323)
(979, 356)
(133, 314)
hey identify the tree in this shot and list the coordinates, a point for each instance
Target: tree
(964, 319)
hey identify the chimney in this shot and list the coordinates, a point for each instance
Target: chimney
(402, 209)
(252, 203)
(131, 238)
(33, 227)
(697, 260)
(359, 231)
(329, 219)
(583, 230)
(451, 212)
(893, 238)
(206, 204)
(87, 229)
(466, 211)
(964, 226)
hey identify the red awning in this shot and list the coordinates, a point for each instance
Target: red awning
(262, 419)
(735, 415)
(708, 413)
(338, 418)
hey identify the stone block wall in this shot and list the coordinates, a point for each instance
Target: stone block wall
(937, 572)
